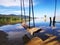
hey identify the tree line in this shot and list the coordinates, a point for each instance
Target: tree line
(9, 19)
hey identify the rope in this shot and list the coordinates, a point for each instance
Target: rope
(54, 13)
(29, 11)
(21, 9)
(24, 11)
(55, 7)
(33, 13)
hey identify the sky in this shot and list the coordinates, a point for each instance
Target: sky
(41, 7)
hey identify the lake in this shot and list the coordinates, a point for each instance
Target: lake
(16, 32)
(40, 24)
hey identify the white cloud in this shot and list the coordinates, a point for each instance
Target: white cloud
(17, 12)
(13, 12)
(13, 3)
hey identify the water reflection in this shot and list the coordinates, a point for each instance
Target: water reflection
(38, 23)
(15, 27)
(18, 27)
(16, 31)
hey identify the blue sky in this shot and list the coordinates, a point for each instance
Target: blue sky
(41, 7)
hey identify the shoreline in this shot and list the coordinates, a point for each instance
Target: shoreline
(9, 23)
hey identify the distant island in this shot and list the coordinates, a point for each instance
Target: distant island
(12, 19)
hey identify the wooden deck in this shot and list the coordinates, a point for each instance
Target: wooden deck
(32, 30)
(38, 41)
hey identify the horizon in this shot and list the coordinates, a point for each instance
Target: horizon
(41, 7)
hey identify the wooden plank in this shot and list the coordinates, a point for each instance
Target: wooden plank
(38, 41)
(35, 41)
(32, 30)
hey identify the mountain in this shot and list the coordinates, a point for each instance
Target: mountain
(13, 15)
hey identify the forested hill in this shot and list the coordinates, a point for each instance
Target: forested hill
(13, 15)
(11, 19)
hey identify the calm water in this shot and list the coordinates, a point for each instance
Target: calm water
(43, 25)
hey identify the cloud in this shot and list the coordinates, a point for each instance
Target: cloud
(4, 11)
(13, 6)
(10, 12)
(13, 3)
